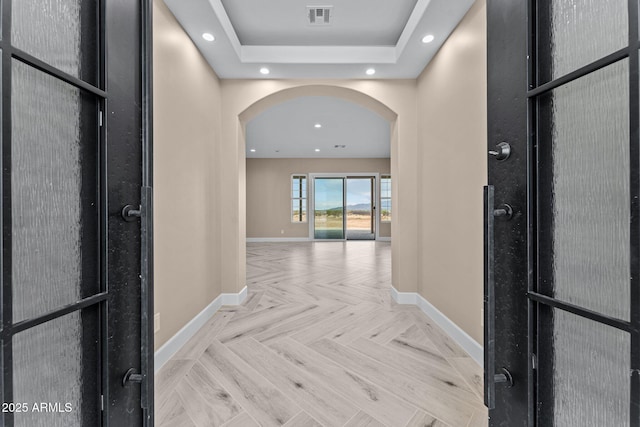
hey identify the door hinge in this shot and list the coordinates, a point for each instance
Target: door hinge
(100, 118)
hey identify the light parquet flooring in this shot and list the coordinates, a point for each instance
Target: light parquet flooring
(319, 342)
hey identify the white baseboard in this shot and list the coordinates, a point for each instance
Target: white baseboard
(277, 239)
(176, 342)
(294, 239)
(463, 339)
(234, 299)
(404, 297)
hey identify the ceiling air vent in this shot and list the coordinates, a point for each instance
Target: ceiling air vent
(319, 15)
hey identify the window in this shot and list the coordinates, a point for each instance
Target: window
(385, 198)
(299, 198)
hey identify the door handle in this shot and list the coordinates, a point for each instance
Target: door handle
(502, 151)
(490, 377)
(129, 213)
(131, 376)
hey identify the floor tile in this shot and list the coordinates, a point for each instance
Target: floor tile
(261, 399)
(362, 419)
(303, 420)
(320, 342)
(471, 372)
(421, 419)
(242, 420)
(318, 400)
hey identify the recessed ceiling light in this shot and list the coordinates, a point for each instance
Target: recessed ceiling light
(317, 149)
(208, 37)
(253, 150)
(317, 126)
(428, 38)
(370, 71)
(264, 70)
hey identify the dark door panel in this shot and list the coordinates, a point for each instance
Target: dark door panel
(124, 180)
(76, 148)
(564, 94)
(507, 122)
(128, 118)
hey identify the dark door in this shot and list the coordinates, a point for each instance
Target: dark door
(76, 282)
(562, 302)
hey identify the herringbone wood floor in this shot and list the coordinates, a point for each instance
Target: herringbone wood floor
(319, 342)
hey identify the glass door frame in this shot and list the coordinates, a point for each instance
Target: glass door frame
(512, 308)
(124, 302)
(312, 196)
(538, 294)
(97, 299)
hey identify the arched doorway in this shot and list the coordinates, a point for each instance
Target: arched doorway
(305, 143)
(281, 156)
(244, 100)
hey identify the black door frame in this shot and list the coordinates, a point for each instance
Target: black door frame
(507, 312)
(125, 301)
(130, 141)
(513, 101)
(147, 347)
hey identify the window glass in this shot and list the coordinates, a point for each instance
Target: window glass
(299, 198)
(385, 198)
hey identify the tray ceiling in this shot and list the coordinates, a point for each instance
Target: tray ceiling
(381, 35)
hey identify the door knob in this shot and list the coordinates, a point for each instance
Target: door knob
(504, 211)
(131, 376)
(129, 213)
(504, 377)
(502, 151)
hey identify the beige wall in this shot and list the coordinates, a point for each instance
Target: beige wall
(269, 191)
(394, 99)
(452, 133)
(186, 135)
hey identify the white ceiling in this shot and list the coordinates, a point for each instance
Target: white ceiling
(381, 34)
(289, 129)
(353, 23)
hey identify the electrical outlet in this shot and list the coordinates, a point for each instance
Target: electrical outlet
(156, 323)
(281, 231)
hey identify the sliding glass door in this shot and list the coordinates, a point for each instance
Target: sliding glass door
(360, 208)
(343, 206)
(328, 208)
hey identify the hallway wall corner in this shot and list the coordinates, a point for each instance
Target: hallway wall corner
(187, 104)
(452, 134)
(464, 340)
(176, 342)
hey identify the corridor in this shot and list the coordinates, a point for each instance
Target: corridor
(319, 342)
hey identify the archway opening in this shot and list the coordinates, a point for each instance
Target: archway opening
(334, 155)
(269, 101)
